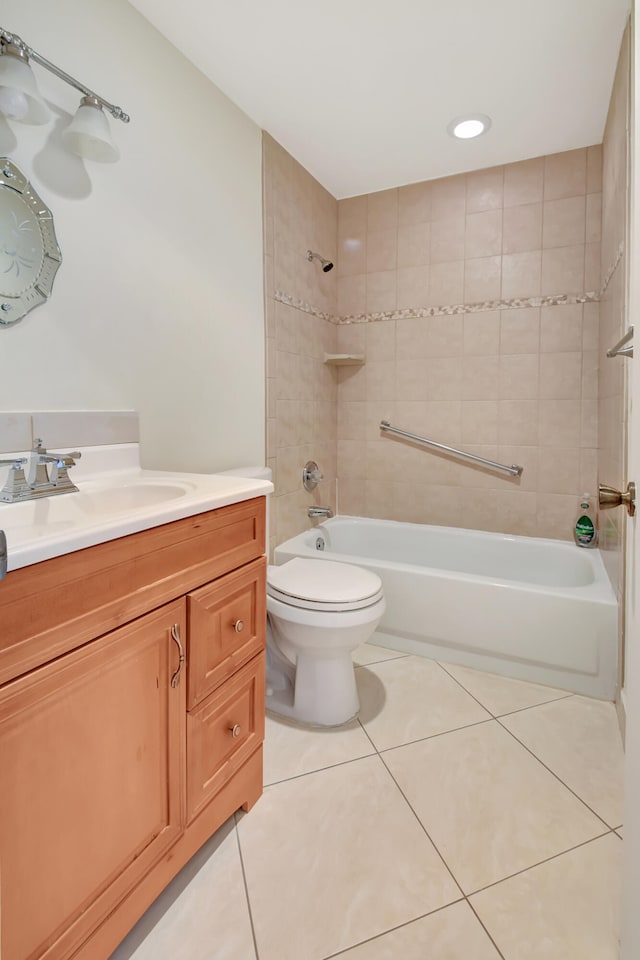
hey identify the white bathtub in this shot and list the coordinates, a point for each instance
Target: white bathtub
(538, 610)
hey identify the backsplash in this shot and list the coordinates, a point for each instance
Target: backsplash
(67, 428)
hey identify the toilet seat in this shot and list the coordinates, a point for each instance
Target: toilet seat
(323, 585)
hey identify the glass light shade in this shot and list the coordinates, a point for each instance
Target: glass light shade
(19, 95)
(466, 128)
(88, 135)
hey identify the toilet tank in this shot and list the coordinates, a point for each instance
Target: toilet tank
(254, 473)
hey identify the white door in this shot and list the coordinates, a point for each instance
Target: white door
(630, 945)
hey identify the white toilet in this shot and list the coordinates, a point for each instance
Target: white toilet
(318, 612)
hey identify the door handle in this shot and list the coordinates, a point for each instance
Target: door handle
(609, 497)
(175, 635)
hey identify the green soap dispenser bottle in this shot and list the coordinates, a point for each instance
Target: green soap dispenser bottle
(585, 532)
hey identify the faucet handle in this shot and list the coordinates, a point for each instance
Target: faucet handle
(311, 475)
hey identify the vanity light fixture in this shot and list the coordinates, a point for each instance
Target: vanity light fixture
(466, 128)
(88, 135)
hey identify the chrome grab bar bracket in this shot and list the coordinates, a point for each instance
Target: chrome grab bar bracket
(514, 470)
(621, 349)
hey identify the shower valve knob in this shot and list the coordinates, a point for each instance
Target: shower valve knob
(609, 497)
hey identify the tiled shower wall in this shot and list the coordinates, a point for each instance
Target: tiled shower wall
(613, 319)
(516, 384)
(299, 215)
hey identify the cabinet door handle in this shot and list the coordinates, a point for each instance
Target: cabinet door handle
(175, 635)
(238, 626)
(235, 730)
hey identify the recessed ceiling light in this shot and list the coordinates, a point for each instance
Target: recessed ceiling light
(465, 128)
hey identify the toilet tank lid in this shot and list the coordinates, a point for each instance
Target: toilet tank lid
(252, 472)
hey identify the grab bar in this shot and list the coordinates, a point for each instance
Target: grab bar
(514, 469)
(620, 350)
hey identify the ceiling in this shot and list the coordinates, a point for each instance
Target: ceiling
(361, 91)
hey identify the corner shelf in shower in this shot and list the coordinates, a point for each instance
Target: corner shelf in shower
(344, 359)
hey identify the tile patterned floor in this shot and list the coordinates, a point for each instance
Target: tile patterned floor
(463, 816)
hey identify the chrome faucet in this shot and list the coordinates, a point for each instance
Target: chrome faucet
(47, 475)
(315, 512)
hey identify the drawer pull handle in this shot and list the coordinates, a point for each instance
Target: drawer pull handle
(175, 635)
(238, 626)
(235, 730)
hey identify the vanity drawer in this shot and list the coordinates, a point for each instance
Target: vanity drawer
(226, 627)
(223, 732)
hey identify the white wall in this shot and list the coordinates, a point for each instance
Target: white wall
(158, 304)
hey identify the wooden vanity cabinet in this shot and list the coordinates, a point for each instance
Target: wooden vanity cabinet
(117, 759)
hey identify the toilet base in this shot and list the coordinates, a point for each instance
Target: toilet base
(304, 699)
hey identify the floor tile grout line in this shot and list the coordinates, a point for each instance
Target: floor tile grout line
(400, 926)
(496, 716)
(485, 928)
(557, 776)
(434, 736)
(540, 863)
(246, 886)
(329, 766)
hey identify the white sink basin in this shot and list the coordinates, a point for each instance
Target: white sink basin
(113, 503)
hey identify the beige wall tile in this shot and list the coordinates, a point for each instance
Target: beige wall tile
(590, 363)
(594, 217)
(481, 333)
(447, 239)
(559, 470)
(480, 421)
(382, 211)
(414, 243)
(483, 234)
(414, 203)
(442, 377)
(351, 384)
(518, 422)
(594, 168)
(561, 376)
(565, 174)
(522, 228)
(482, 278)
(590, 326)
(520, 330)
(448, 197)
(485, 189)
(589, 424)
(380, 380)
(561, 328)
(446, 283)
(381, 291)
(480, 380)
(524, 456)
(592, 266)
(410, 379)
(352, 216)
(523, 182)
(559, 423)
(413, 286)
(352, 255)
(351, 338)
(351, 420)
(380, 340)
(382, 250)
(521, 274)
(438, 420)
(564, 222)
(556, 516)
(442, 337)
(519, 377)
(563, 270)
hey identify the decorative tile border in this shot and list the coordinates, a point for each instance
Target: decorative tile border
(304, 306)
(612, 269)
(455, 309)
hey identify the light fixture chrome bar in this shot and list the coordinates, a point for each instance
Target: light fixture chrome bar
(514, 470)
(13, 38)
(620, 350)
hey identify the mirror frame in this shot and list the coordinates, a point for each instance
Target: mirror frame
(14, 307)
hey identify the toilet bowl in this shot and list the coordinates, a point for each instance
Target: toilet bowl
(318, 612)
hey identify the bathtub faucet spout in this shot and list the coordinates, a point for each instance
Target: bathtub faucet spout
(315, 512)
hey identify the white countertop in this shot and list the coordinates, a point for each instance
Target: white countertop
(115, 498)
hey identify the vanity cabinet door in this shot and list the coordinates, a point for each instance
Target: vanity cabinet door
(227, 623)
(223, 732)
(92, 788)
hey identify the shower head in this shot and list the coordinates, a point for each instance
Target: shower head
(326, 264)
